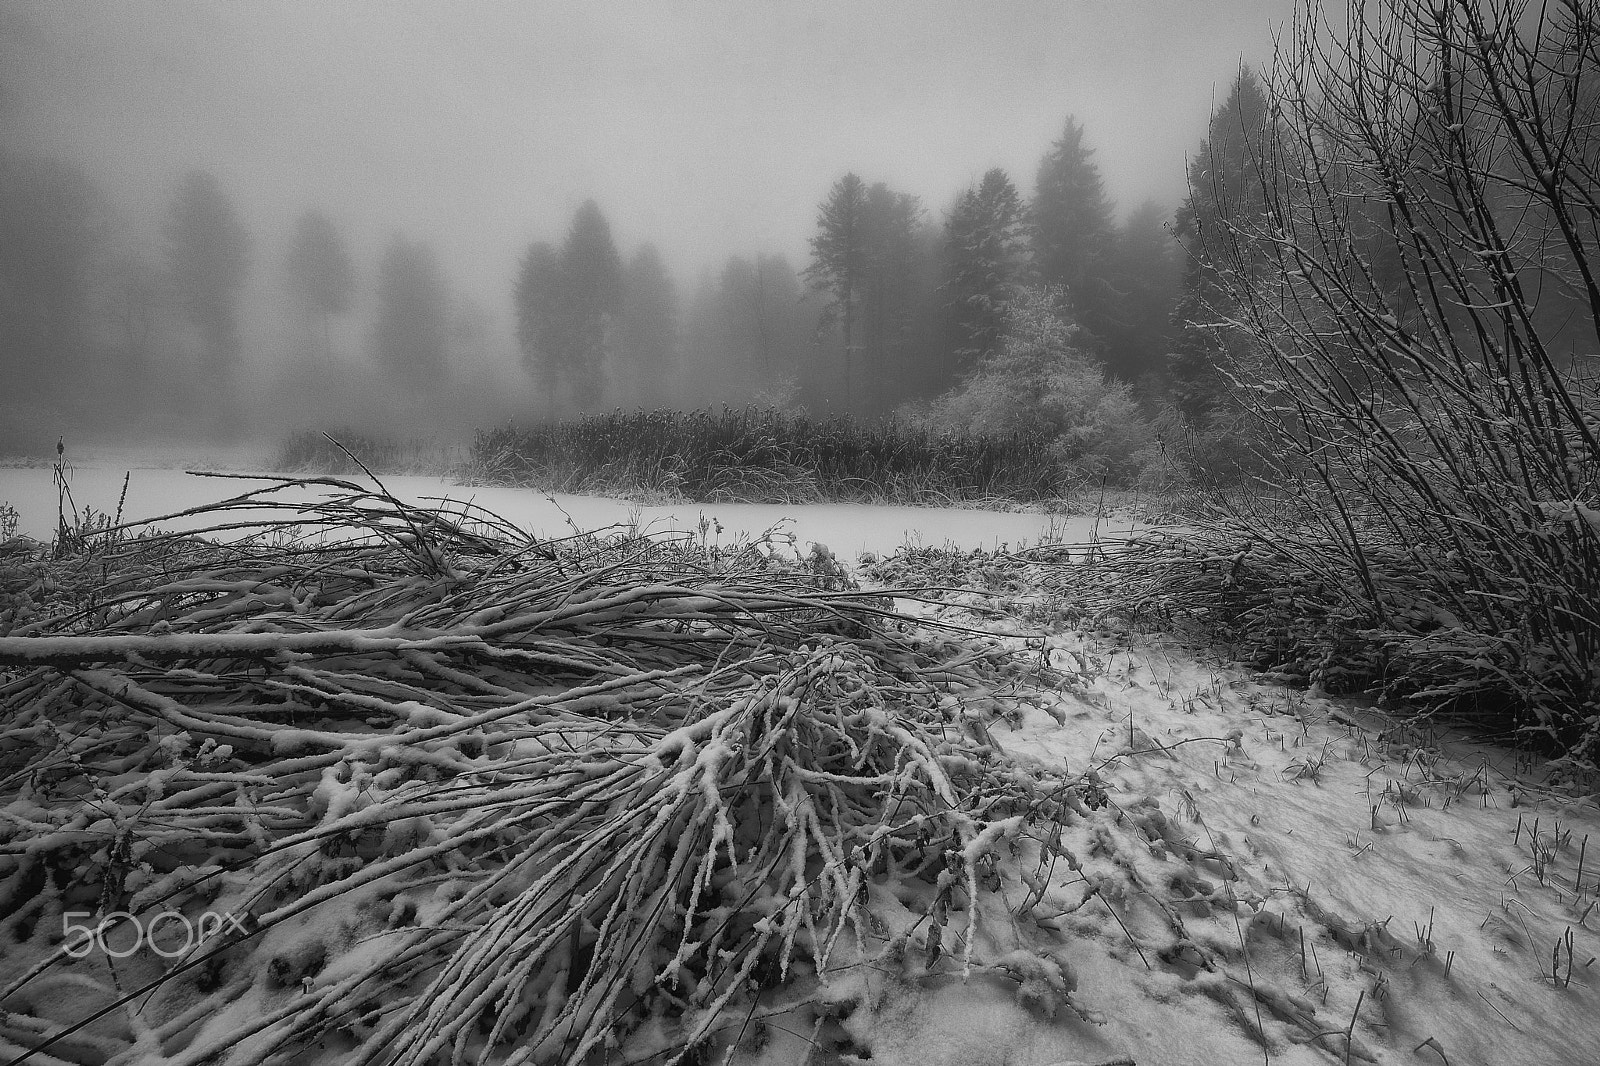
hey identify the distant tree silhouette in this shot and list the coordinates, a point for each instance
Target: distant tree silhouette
(985, 266)
(591, 279)
(1144, 276)
(208, 261)
(893, 296)
(1226, 189)
(410, 334)
(53, 223)
(839, 262)
(647, 335)
(1071, 226)
(318, 272)
(537, 296)
(568, 306)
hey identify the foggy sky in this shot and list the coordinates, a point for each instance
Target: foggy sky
(708, 128)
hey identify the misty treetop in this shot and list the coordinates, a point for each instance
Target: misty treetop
(987, 261)
(53, 223)
(839, 261)
(1226, 186)
(893, 307)
(208, 255)
(568, 304)
(1072, 226)
(409, 337)
(646, 352)
(319, 273)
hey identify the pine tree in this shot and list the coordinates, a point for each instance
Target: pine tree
(647, 334)
(985, 265)
(208, 260)
(1071, 227)
(568, 304)
(839, 262)
(537, 297)
(410, 333)
(1040, 382)
(591, 283)
(319, 273)
(1225, 186)
(1145, 278)
(889, 290)
(53, 227)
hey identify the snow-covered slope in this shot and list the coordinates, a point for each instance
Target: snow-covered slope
(1227, 871)
(1285, 878)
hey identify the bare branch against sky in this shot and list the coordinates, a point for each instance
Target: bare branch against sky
(707, 128)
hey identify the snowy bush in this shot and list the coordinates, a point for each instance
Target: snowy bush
(1415, 359)
(467, 793)
(1040, 384)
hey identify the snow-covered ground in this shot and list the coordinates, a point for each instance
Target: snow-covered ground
(1278, 877)
(1278, 863)
(846, 529)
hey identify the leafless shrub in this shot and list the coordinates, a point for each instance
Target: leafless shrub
(1419, 298)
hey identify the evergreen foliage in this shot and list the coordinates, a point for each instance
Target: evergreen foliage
(208, 261)
(645, 355)
(986, 263)
(568, 304)
(1227, 188)
(319, 273)
(591, 274)
(413, 314)
(1072, 228)
(1144, 275)
(53, 222)
(895, 292)
(1039, 383)
(839, 263)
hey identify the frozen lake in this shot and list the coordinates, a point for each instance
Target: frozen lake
(846, 529)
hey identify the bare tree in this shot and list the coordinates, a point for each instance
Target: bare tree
(1416, 359)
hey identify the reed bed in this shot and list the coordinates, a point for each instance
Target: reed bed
(315, 452)
(1488, 619)
(762, 455)
(1416, 369)
(464, 795)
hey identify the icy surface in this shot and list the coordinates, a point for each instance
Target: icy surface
(1287, 878)
(846, 529)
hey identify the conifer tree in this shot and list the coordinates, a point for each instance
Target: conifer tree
(647, 334)
(413, 320)
(591, 282)
(1144, 275)
(53, 226)
(208, 260)
(1226, 187)
(986, 264)
(1071, 227)
(568, 303)
(538, 301)
(889, 291)
(839, 262)
(318, 272)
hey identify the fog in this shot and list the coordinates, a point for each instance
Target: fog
(709, 130)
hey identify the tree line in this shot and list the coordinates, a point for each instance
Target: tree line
(105, 333)
(894, 306)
